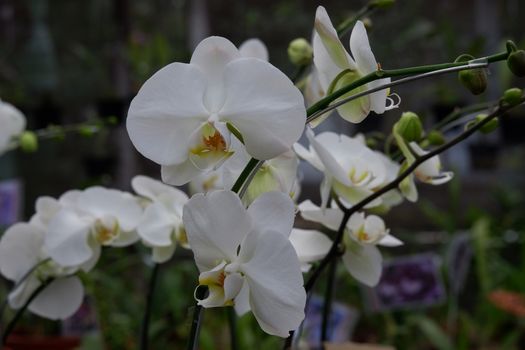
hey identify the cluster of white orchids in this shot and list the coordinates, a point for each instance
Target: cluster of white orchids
(228, 123)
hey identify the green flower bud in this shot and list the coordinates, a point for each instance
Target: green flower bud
(512, 96)
(435, 138)
(300, 52)
(409, 127)
(475, 80)
(381, 3)
(490, 126)
(367, 22)
(516, 63)
(28, 142)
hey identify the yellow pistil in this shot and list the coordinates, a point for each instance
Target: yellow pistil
(211, 141)
(103, 234)
(362, 236)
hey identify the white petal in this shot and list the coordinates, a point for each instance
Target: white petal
(264, 105)
(101, 202)
(167, 108)
(273, 211)
(153, 189)
(215, 223)
(360, 48)
(20, 250)
(330, 40)
(378, 99)
(310, 245)
(13, 123)
(242, 300)
(180, 174)
(390, 241)
(60, 300)
(19, 295)
(67, 239)
(254, 48)
(157, 226)
(309, 155)
(232, 285)
(162, 254)
(125, 238)
(277, 295)
(364, 262)
(332, 166)
(330, 217)
(211, 56)
(356, 221)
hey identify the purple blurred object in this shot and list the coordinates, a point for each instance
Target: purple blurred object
(411, 282)
(10, 202)
(340, 327)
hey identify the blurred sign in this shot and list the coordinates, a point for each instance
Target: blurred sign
(340, 326)
(410, 282)
(10, 202)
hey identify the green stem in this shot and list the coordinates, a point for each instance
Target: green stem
(193, 342)
(328, 298)
(20, 311)
(232, 322)
(460, 112)
(381, 74)
(345, 27)
(144, 331)
(252, 164)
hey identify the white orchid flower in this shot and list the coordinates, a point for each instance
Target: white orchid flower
(24, 261)
(429, 172)
(350, 168)
(245, 258)
(310, 246)
(46, 207)
(179, 117)
(254, 48)
(362, 258)
(337, 68)
(98, 217)
(161, 225)
(13, 124)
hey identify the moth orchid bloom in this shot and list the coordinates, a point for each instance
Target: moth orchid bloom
(245, 258)
(182, 116)
(310, 246)
(362, 258)
(350, 168)
(13, 124)
(337, 68)
(24, 261)
(161, 225)
(429, 172)
(98, 217)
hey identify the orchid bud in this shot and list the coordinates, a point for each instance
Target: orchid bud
(473, 79)
(516, 63)
(435, 138)
(28, 141)
(300, 52)
(487, 128)
(409, 127)
(512, 96)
